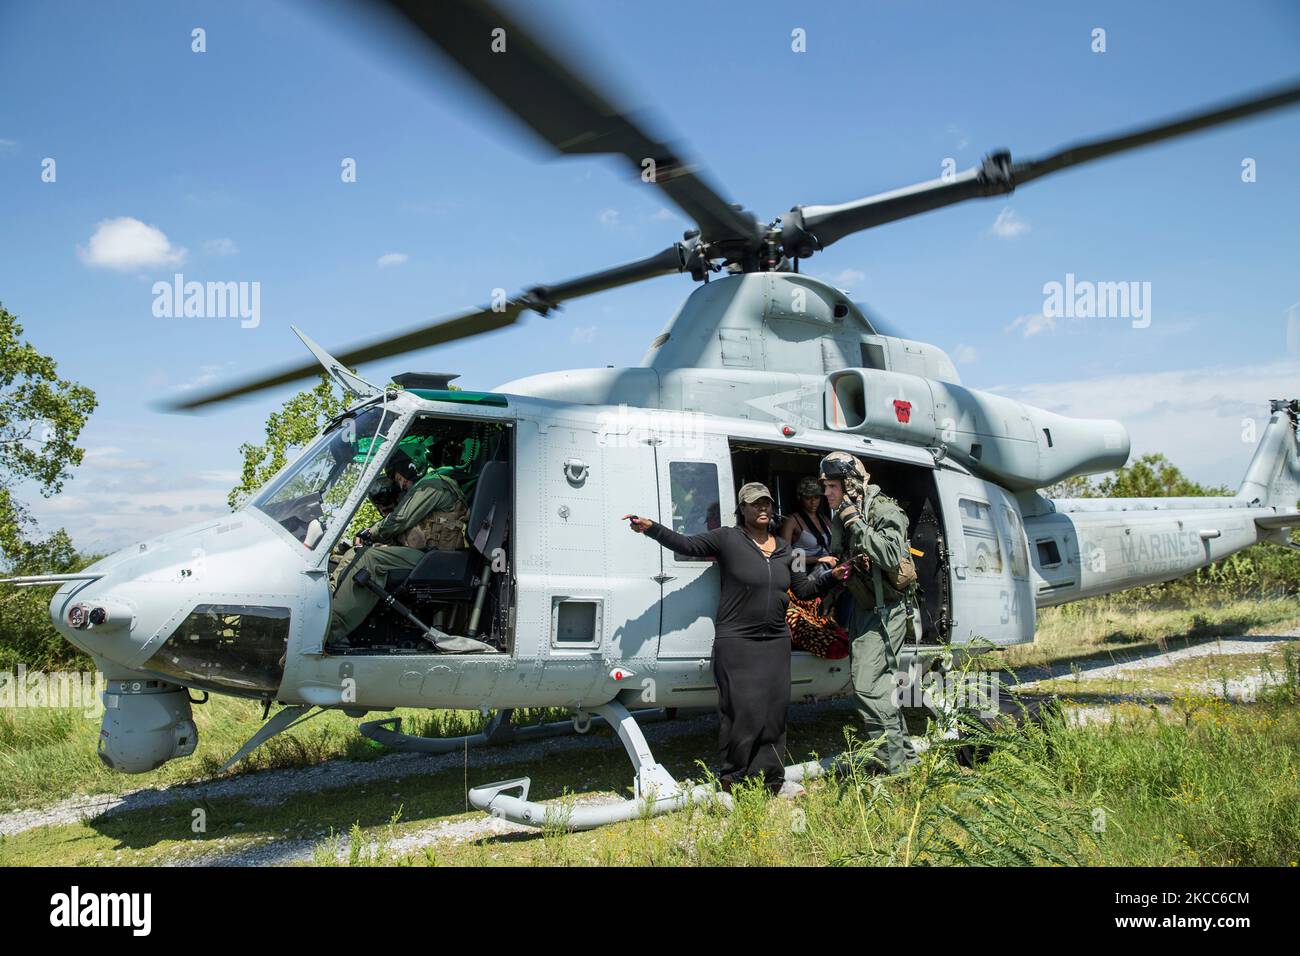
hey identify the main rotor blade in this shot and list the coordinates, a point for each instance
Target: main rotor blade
(539, 299)
(564, 108)
(1189, 123)
(808, 228)
(466, 324)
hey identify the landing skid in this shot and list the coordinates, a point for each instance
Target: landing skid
(655, 791)
(500, 730)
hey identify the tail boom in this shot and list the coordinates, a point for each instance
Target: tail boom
(1104, 545)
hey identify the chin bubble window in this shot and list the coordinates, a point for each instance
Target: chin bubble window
(228, 648)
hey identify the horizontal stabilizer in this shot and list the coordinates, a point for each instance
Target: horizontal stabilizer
(1272, 522)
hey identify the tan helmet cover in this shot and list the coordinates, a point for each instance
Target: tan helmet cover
(847, 468)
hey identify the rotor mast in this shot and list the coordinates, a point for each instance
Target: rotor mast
(569, 112)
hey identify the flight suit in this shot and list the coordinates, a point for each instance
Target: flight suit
(430, 497)
(879, 531)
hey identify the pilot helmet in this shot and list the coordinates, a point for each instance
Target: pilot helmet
(848, 469)
(401, 464)
(384, 493)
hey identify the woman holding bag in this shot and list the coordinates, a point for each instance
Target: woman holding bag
(751, 646)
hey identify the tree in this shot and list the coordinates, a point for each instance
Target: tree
(1151, 476)
(287, 431)
(1076, 486)
(1155, 476)
(26, 635)
(41, 417)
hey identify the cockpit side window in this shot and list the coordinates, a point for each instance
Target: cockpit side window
(696, 499)
(308, 499)
(446, 560)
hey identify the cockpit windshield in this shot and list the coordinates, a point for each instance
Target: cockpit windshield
(308, 499)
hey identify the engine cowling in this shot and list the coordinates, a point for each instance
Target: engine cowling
(1017, 445)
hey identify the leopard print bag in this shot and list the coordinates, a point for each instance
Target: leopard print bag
(812, 629)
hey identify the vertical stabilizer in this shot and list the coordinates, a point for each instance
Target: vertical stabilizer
(1273, 478)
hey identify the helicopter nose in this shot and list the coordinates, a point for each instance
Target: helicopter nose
(195, 603)
(98, 621)
(101, 613)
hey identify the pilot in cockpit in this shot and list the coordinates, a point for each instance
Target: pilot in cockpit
(384, 494)
(431, 513)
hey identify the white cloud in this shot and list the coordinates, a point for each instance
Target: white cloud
(1195, 417)
(663, 215)
(582, 335)
(8, 147)
(113, 501)
(103, 517)
(392, 259)
(208, 374)
(846, 278)
(608, 217)
(208, 200)
(1008, 225)
(220, 247)
(965, 354)
(125, 243)
(429, 207)
(1032, 323)
(230, 478)
(109, 459)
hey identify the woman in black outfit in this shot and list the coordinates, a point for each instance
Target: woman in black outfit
(751, 646)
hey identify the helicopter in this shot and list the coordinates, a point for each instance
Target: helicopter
(762, 371)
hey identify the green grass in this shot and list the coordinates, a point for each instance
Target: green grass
(1205, 672)
(137, 837)
(1116, 625)
(1208, 783)
(1212, 785)
(47, 753)
(1197, 782)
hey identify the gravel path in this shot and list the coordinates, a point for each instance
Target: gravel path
(276, 852)
(274, 786)
(1241, 690)
(1255, 644)
(270, 787)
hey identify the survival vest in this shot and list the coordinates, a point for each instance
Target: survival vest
(901, 578)
(443, 530)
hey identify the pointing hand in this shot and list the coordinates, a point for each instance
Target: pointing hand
(639, 525)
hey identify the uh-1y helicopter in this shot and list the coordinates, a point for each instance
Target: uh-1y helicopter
(553, 604)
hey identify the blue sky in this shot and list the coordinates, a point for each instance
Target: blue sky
(234, 156)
